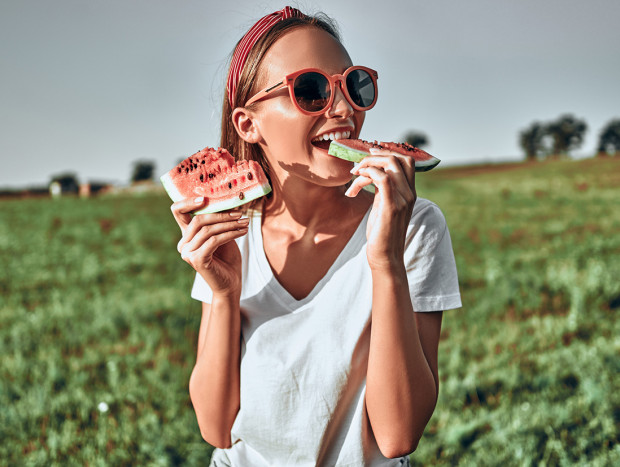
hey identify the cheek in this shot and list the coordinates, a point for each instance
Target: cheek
(359, 118)
(286, 129)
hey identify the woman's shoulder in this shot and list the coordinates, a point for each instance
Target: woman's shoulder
(427, 212)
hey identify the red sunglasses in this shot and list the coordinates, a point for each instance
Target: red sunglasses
(312, 90)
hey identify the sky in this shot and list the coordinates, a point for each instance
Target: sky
(91, 87)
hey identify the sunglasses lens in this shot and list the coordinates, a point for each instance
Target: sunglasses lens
(361, 88)
(312, 91)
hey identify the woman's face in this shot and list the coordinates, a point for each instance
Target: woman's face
(286, 134)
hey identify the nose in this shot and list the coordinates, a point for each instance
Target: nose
(340, 106)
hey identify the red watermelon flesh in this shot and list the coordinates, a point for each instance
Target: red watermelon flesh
(356, 149)
(214, 174)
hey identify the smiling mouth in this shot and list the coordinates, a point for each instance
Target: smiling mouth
(323, 141)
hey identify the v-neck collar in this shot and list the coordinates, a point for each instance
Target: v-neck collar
(280, 291)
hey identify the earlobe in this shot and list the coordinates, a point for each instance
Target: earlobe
(246, 125)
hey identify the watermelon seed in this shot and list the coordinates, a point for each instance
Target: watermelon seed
(241, 195)
(249, 175)
(203, 161)
(229, 185)
(211, 175)
(202, 178)
(195, 166)
(186, 170)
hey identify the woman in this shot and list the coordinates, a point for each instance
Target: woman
(309, 350)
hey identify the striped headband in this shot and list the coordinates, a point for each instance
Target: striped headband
(248, 41)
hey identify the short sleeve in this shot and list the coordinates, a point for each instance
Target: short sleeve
(429, 260)
(201, 290)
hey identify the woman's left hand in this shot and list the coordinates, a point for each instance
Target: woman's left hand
(394, 178)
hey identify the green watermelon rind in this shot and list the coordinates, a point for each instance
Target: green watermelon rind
(172, 191)
(341, 151)
(230, 203)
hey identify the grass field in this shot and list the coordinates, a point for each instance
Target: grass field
(97, 330)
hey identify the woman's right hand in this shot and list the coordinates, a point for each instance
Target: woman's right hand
(207, 244)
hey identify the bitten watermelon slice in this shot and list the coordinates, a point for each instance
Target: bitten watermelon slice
(214, 174)
(355, 150)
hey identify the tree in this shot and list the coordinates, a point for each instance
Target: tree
(531, 141)
(66, 182)
(416, 138)
(609, 139)
(143, 170)
(566, 133)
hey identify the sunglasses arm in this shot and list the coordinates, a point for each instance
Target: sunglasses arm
(262, 94)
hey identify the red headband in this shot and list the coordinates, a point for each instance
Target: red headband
(248, 41)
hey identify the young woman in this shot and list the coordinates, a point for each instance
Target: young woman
(313, 347)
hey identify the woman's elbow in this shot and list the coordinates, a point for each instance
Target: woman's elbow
(395, 448)
(216, 436)
(216, 440)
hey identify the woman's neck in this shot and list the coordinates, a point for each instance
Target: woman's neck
(299, 205)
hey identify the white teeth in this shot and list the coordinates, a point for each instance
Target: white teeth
(333, 136)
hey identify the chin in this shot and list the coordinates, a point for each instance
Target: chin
(334, 171)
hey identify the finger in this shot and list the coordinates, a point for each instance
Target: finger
(194, 242)
(387, 189)
(208, 248)
(357, 185)
(406, 162)
(199, 221)
(181, 210)
(391, 166)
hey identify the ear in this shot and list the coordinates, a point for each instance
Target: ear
(246, 124)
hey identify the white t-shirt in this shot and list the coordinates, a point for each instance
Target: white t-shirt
(303, 366)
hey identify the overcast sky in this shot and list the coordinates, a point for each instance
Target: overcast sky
(93, 86)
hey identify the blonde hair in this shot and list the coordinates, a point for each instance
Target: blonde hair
(246, 87)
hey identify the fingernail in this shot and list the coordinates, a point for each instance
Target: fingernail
(348, 192)
(235, 214)
(355, 167)
(245, 220)
(200, 199)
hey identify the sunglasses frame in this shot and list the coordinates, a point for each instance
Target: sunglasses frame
(289, 81)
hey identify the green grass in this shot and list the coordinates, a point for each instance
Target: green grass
(530, 365)
(95, 307)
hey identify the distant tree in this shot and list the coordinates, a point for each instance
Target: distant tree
(66, 181)
(566, 134)
(531, 141)
(609, 139)
(143, 170)
(416, 138)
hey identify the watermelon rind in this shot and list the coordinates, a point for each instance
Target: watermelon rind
(425, 166)
(172, 191)
(231, 203)
(342, 151)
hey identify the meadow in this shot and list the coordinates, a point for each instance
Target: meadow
(98, 332)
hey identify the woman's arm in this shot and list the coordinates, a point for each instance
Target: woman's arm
(208, 246)
(402, 383)
(214, 384)
(402, 380)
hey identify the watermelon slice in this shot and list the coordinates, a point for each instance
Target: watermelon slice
(214, 174)
(355, 150)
